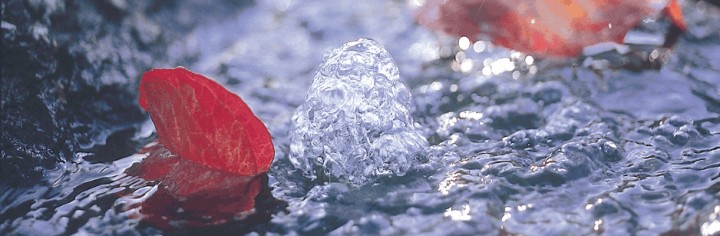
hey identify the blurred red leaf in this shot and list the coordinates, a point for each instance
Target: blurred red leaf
(544, 27)
(199, 120)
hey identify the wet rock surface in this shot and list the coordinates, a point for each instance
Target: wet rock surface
(63, 87)
(516, 145)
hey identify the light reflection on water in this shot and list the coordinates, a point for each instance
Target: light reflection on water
(459, 215)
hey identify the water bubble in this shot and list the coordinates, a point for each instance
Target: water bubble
(355, 124)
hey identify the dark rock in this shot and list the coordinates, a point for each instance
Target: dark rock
(69, 73)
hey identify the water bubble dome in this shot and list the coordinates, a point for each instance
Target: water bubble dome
(355, 124)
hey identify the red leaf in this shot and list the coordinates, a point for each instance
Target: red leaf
(546, 27)
(199, 120)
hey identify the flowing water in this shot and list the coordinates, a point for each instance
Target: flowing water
(515, 144)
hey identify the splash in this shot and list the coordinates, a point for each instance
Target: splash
(355, 124)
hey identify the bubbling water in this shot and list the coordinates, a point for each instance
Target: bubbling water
(355, 124)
